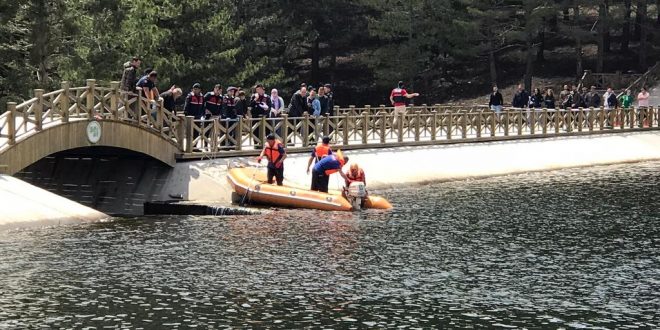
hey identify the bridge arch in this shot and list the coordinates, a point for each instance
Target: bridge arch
(73, 135)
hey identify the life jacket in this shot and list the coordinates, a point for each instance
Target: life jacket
(321, 150)
(214, 103)
(398, 96)
(197, 100)
(230, 101)
(339, 156)
(273, 153)
(358, 177)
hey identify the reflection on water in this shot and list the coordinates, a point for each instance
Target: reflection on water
(571, 248)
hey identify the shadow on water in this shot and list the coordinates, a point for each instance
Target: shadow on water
(573, 248)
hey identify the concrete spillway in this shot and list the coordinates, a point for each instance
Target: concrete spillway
(121, 186)
(26, 205)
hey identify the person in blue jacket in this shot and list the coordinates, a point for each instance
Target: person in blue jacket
(324, 168)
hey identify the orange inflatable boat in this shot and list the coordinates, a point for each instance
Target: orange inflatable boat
(249, 183)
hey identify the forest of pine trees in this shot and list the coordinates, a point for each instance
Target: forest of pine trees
(442, 48)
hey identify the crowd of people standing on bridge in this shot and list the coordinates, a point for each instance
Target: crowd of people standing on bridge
(229, 103)
(569, 98)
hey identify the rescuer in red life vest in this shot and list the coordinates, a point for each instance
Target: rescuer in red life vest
(274, 151)
(321, 150)
(398, 98)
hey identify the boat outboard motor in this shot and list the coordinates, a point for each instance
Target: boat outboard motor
(356, 195)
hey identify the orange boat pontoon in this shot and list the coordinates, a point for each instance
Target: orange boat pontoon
(250, 183)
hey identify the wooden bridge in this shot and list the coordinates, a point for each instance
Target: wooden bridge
(90, 116)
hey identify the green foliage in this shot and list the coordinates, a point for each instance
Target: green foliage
(363, 47)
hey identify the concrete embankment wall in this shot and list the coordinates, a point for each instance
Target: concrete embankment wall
(121, 185)
(206, 180)
(25, 205)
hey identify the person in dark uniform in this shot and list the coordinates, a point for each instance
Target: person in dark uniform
(274, 151)
(229, 114)
(260, 107)
(213, 102)
(194, 105)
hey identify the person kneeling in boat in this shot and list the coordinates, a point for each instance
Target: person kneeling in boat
(274, 151)
(324, 168)
(320, 151)
(355, 174)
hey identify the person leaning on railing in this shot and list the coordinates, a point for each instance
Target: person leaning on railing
(496, 101)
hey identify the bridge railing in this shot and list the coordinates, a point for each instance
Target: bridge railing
(350, 127)
(84, 103)
(218, 137)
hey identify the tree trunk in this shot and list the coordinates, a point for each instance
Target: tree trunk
(607, 40)
(643, 35)
(638, 19)
(40, 34)
(602, 27)
(578, 45)
(539, 53)
(492, 60)
(333, 65)
(625, 36)
(316, 58)
(529, 69)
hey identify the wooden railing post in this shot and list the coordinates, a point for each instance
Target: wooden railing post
(345, 129)
(336, 110)
(11, 122)
(650, 116)
(507, 118)
(417, 125)
(434, 125)
(580, 119)
(189, 122)
(450, 117)
(383, 126)
(365, 126)
(181, 131)
(262, 131)
(38, 109)
(138, 105)
(463, 124)
(305, 130)
(590, 119)
(285, 128)
(557, 119)
(630, 113)
(91, 88)
(402, 117)
(160, 115)
(238, 133)
(215, 134)
(531, 123)
(544, 121)
(493, 122)
(569, 120)
(65, 102)
(351, 110)
(519, 122)
(478, 123)
(326, 125)
(114, 100)
(601, 118)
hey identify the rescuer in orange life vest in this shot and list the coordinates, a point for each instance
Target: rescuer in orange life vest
(324, 168)
(274, 151)
(321, 150)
